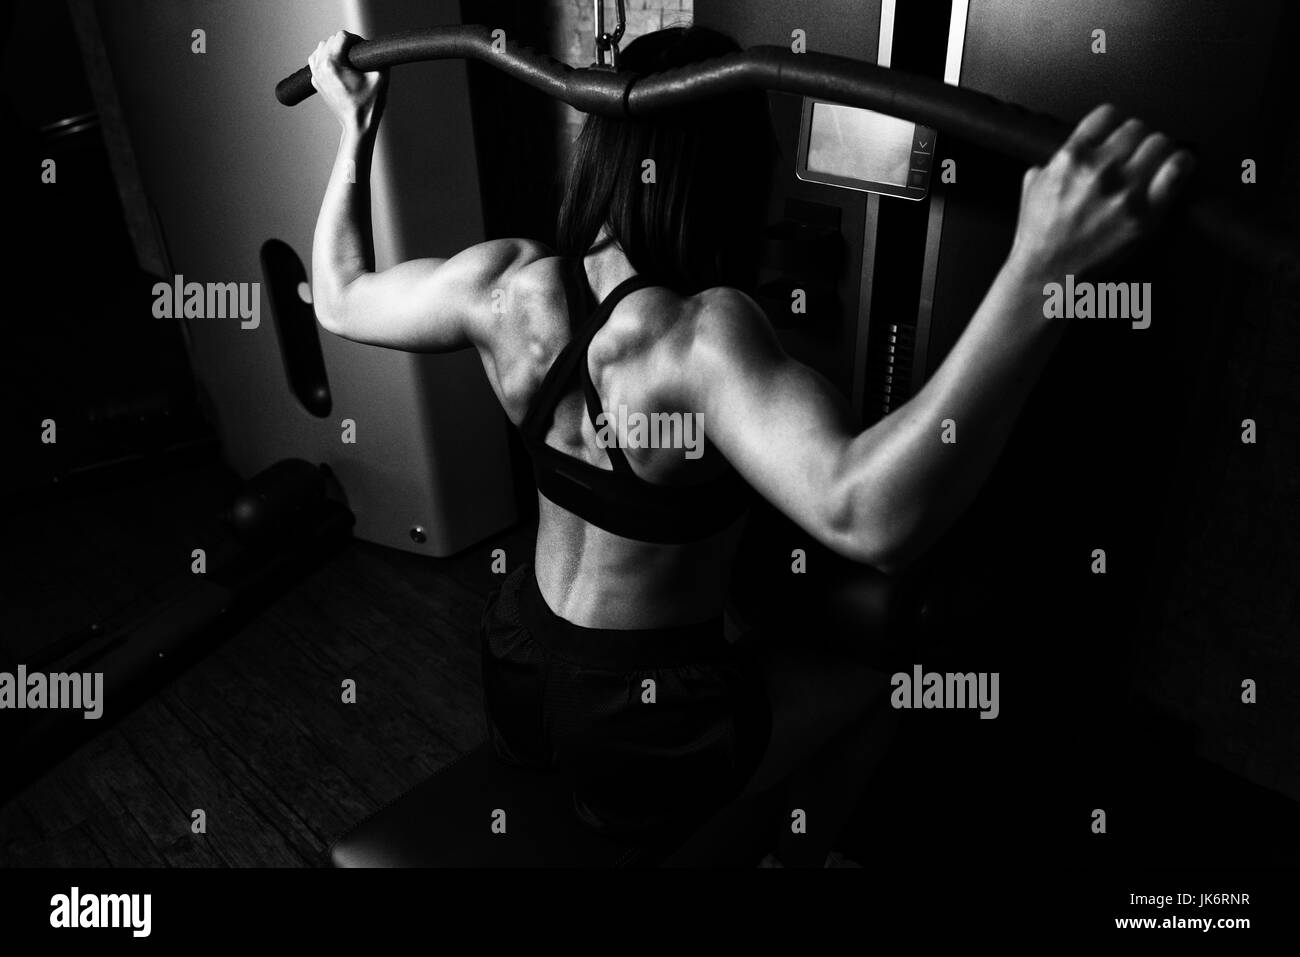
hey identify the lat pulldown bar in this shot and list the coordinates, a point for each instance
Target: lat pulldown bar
(983, 120)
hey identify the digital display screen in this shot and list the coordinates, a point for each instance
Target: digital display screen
(860, 144)
(861, 149)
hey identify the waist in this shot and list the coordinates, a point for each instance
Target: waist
(595, 578)
(618, 649)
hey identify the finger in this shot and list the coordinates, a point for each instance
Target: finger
(1143, 166)
(1093, 129)
(1120, 145)
(336, 50)
(340, 45)
(1170, 179)
(1146, 159)
(349, 41)
(1112, 158)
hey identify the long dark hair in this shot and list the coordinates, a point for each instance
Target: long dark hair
(698, 223)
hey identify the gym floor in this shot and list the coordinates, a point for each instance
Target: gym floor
(255, 733)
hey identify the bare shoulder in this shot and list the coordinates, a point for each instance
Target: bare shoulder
(717, 337)
(723, 327)
(523, 323)
(496, 261)
(506, 276)
(507, 254)
(482, 275)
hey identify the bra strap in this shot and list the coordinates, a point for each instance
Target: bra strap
(573, 359)
(594, 411)
(537, 420)
(615, 452)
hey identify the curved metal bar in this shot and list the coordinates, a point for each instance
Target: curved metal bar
(981, 119)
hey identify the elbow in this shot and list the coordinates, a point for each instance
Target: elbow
(891, 561)
(329, 317)
(329, 302)
(885, 553)
(868, 533)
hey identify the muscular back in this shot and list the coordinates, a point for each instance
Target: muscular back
(590, 576)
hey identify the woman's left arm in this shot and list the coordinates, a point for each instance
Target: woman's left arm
(424, 305)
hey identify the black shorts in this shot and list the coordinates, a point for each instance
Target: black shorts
(656, 728)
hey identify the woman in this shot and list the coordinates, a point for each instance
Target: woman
(606, 655)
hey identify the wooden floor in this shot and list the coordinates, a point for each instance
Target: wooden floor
(256, 734)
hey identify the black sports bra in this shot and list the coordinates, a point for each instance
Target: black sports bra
(618, 501)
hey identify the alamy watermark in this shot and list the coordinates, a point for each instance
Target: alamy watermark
(654, 430)
(75, 910)
(933, 689)
(1104, 300)
(78, 691)
(179, 299)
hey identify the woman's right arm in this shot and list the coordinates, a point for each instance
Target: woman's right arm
(884, 495)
